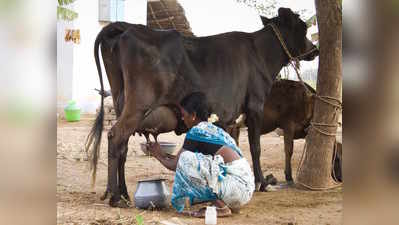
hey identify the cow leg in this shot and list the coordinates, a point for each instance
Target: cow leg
(107, 191)
(118, 98)
(337, 157)
(121, 173)
(254, 131)
(121, 176)
(288, 149)
(118, 138)
(114, 154)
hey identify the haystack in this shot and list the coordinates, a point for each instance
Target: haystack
(167, 14)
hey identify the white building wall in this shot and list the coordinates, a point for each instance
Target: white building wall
(64, 66)
(77, 74)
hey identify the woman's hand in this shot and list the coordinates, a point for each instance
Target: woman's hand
(154, 149)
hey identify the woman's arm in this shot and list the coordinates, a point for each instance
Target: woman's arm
(228, 154)
(168, 162)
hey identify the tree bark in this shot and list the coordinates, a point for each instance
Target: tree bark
(315, 172)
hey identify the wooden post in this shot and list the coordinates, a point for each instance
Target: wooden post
(315, 172)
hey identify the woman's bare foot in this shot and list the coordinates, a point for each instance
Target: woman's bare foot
(235, 210)
(223, 212)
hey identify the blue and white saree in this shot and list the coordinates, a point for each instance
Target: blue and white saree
(202, 177)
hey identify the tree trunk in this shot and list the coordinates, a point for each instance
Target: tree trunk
(315, 172)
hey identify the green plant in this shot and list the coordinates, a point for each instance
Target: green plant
(63, 12)
(139, 219)
(263, 7)
(311, 21)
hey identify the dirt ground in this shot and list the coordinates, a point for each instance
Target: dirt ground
(78, 203)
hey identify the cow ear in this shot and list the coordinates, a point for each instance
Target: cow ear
(265, 20)
(286, 16)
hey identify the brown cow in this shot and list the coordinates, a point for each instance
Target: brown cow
(290, 108)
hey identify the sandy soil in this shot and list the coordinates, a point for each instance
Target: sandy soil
(78, 203)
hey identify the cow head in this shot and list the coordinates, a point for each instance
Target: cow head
(293, 30)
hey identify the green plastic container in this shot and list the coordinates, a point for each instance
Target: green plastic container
(72, 111)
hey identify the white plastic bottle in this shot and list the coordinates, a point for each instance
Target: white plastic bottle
(210, 215)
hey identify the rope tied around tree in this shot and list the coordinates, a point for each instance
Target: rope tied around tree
(294, 62)
(332, 101)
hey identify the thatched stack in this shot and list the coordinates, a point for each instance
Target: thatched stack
(167, 14)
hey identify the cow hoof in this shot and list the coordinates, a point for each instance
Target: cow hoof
(126, 198)
(262, 187)
(290, 183)
(270, 179)
(121, 203)
(104, 196)
(257, 186)
(288, 178)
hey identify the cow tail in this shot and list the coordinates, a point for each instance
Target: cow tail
(94, 138)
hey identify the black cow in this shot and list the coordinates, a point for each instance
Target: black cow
(148, 68)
